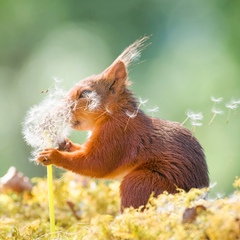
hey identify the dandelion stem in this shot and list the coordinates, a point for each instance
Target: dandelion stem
(51, 200)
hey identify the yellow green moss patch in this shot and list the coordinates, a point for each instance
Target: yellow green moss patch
(87, 209)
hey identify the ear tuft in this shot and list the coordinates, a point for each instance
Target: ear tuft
(133, 52)
(116, 74)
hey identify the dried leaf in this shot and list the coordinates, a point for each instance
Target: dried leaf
(190, 214)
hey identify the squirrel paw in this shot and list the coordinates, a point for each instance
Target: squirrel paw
(68, 146)
(49, 156)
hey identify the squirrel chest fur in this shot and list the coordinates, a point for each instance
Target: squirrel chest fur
(150, 155)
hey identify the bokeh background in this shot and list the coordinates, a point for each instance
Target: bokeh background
(194, 54)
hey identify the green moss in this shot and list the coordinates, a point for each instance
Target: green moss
(87, 209)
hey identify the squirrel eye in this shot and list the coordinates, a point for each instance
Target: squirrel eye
(84, 93)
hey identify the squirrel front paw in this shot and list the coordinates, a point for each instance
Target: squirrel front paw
(68, 146)
(49, 156)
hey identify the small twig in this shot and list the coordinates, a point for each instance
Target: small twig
(71, 206)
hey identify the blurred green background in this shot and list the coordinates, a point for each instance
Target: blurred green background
(195, 54)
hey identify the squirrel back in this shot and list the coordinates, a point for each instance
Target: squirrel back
(147, 154)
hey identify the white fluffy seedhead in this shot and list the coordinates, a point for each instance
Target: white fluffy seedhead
(47, 124)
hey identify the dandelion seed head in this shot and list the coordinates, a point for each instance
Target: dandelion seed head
(48, 123)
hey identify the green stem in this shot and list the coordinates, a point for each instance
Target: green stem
(51, 200)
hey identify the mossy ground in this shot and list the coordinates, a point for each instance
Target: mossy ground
(87, 209)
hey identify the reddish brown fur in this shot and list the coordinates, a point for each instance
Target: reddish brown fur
(151, 155)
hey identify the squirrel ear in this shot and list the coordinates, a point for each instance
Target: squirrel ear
(116, 75)
(117, 71)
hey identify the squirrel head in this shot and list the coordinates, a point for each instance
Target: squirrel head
(98, 96)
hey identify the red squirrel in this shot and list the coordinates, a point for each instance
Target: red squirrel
(149, 155)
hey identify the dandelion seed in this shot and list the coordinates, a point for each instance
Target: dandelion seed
(236, 101)
(232, 105)
(212, 185)
(216, 100)
(142, 102)
(153, 110)
(194, 117)
(93, 101)
(189, 114)
(57, 80)
(48, 124)
(195, 124)
(185, 120)
(131, 115)
(215, 112)
(134, 114)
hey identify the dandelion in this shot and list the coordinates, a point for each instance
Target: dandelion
(46, 125)
(215, 112)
